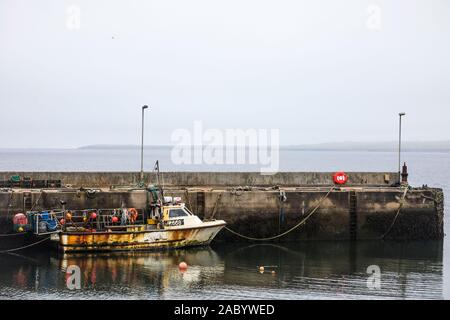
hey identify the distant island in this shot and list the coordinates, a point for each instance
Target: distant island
(120, 147)
(408, 146)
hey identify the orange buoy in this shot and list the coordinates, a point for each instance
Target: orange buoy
(93, 215)
(132, 214)
(182, 266)
(69, 216)
(114, 219)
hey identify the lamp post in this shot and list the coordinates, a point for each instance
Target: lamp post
(400, 146)
(142, 146)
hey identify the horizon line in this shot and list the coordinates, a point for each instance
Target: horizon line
(328, 145)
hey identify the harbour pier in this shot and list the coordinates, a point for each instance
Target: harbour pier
(287, 206)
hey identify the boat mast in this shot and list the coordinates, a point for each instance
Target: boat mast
(158, 181)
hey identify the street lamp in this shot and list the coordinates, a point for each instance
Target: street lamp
(142, 145)
(400, 146)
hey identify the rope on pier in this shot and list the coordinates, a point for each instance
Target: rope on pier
(186, 191)
(402, 202)
(37, 201)
(288, 231)
(25, 247)
(9, 204)
(216, 205)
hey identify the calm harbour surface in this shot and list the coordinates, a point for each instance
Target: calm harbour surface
(306, 270)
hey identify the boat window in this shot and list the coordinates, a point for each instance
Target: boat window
(173, 213)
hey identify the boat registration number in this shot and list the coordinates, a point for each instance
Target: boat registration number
(175, 223)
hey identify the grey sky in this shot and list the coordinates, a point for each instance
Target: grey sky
(313, 69)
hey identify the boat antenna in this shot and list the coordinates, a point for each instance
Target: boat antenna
(158, 183)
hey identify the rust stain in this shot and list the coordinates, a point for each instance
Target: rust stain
(133, 240)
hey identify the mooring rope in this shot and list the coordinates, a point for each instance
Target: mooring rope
(12, 234)
(25, 247)
(402, 202)
(288, 231)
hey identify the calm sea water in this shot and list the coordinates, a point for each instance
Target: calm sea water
(312, 270)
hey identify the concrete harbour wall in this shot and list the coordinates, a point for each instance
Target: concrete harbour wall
(259, 213)
(179, 179)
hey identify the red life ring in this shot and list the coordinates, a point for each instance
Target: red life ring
(340, 178)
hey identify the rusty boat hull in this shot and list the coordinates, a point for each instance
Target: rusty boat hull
(138, 239)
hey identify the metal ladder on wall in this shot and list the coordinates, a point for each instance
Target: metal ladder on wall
(353, 202)
(27, 202)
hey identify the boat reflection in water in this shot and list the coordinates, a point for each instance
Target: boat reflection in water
(153, 270)
(311, 270)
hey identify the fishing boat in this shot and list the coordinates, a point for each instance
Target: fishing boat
(164, 223)
(171, 225)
